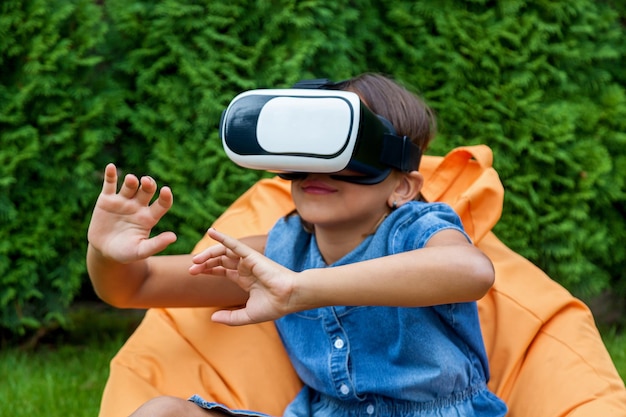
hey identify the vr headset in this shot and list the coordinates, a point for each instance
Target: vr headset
(299, 131)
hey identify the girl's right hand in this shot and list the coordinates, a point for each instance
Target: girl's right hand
(121, 222)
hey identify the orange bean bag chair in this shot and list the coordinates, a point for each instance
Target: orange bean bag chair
(545, 353)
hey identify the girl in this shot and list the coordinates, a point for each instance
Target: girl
(372, 291)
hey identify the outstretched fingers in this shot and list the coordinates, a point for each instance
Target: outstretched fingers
(215, 260)
(163, 203)
(129, 186)
(220, 258)
(143, 190)
(147, 189)
(109, 185)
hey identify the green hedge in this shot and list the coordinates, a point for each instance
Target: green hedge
(53, 126)
(143, 83)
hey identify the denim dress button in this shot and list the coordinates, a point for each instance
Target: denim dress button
(339, 343)
(344, 389)
(370, 409)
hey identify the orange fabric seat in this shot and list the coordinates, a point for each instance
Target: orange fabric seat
(546, 356)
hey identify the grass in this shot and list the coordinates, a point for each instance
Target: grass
(65, 374)
(56, 382)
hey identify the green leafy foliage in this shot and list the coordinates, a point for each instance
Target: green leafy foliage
(52, 128)
(143, 83)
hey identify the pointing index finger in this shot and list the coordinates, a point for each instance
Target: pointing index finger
(233, 244)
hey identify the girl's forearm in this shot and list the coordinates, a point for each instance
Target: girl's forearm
(159, 281)
(410, 279)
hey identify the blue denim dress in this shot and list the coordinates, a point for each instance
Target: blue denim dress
(382, 361)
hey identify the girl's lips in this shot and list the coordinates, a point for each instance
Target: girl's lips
(317, 187)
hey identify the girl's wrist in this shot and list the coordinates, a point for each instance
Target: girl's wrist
(304, 295)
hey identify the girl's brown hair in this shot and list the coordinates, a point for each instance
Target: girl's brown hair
(408, 113)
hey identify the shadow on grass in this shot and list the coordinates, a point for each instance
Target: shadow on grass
(88, 322)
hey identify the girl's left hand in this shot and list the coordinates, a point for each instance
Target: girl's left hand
(269, 285)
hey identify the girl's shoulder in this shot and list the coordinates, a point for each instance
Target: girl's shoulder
(420, 211)
(411, 225)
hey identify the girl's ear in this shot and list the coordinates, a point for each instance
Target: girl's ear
(407, 188)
